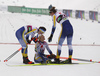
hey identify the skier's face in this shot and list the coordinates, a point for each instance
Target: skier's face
(42, 38)
(40, 32)
(51, 13)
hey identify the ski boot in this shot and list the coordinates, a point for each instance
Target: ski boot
(56, 61)
(68, 61)
(49, 61)
(27, 61)
(46, 61)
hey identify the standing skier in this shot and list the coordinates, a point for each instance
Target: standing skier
(67, 31)
(23, 34)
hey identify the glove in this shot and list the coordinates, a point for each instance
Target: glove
(35, 39)
(50, 38)
(51, 56)
(28, 41)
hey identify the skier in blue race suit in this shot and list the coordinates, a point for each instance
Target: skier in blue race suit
(67, 31)
(23, 34)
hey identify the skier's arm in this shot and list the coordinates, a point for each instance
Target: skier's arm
(54, 25)
(27, 38)
(31, 33)
(48, 49)
(50, 52)
(53, 28)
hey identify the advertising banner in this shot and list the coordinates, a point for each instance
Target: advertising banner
(93, 15)
(80, 14)
(35, 11)
(17, 9)
(68, 13)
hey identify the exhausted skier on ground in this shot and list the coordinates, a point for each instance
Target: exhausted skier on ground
(40, 46)
(23, 34)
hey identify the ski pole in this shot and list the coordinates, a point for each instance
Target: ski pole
(77, 59)
(54, 56)
(14, 53)
(67, 58)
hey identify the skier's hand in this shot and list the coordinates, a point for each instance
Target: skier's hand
(28, 41)
(53, 56)
(35, 39)
(50, 38)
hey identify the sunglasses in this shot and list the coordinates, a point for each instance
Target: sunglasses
(50, 12)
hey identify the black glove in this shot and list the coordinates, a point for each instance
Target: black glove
(50, 38)
(28, 41)
(52, 56)
(35, 39)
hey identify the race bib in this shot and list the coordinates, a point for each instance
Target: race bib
(29, 28)
(59, 18)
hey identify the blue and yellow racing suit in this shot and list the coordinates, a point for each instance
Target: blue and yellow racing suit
(66, 31)
(21, 35)
(39, 52)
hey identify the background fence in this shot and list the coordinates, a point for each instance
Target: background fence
(23, 9)
(82, 14)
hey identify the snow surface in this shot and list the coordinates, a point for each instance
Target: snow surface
(85, 33)
(86, 52)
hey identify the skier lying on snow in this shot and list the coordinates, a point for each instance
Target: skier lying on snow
(40, 46)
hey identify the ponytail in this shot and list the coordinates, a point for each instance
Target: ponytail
(53, 10)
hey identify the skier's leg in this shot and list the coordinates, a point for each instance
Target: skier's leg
(69, 43)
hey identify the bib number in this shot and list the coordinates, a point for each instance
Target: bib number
(59, 18)
(29, 28)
